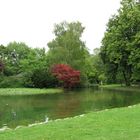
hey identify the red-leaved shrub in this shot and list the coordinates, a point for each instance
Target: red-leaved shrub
(66, 74)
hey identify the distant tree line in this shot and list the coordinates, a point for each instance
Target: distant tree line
(22, 66)
(68, 62)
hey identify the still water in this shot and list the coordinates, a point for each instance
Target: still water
(24, 110)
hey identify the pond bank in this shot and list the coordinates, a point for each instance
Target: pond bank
(28, 91)
(120, 87)
(113, 124)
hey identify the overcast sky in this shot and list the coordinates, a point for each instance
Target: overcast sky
(32, 21)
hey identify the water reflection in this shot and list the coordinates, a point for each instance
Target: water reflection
(24, 110)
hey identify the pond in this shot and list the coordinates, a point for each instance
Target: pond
(25, 110)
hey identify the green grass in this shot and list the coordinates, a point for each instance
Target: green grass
(114, 124)
(111, 86)
(28, 91)
(120, 87)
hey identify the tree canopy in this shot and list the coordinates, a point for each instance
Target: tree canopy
(120, 49)
(67, 47)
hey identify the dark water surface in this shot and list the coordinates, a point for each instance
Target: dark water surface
(24, 110)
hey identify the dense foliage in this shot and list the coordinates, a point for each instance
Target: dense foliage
(41, 78)
(120, 49)
(67, 75)
(1, 66)
(20, 61)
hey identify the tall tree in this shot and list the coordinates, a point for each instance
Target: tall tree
(121, 46)
(67, 47)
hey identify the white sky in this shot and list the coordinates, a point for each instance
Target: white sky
(32, 21)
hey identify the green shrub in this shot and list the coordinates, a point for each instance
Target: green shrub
(11, 82)
(42, 78)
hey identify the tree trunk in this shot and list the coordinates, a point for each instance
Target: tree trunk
(127, 77)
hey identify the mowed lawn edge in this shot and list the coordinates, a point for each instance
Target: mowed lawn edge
(113, 124)
(28, 91)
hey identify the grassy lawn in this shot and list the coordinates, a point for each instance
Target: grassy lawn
(28, 91)
(114, 124)
(121, 87)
